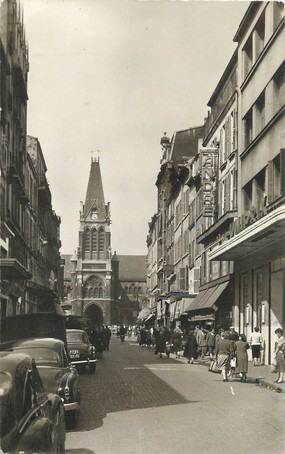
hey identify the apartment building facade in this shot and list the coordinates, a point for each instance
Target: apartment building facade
(257, 237)
(26, 267)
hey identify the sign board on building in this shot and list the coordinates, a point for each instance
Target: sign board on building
(209, 162)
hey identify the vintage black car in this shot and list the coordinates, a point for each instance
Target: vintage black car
(57, 372)
(80, 350)
(31, 420)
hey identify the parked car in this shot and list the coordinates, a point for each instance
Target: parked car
(81, 352)
(57, 372)
(31, 420)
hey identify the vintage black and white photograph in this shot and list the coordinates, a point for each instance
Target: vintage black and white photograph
(142, 209)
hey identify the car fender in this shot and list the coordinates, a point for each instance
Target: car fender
(37, 437)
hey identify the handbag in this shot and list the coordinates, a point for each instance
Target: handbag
(233, 362)
(214, 367)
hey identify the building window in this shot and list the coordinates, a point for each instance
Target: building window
(259, 186)
(94, 239)
(279, 87)
(247, 196)
(101, 243)
(260, 113)
(248, 128)
(259, 33)
(222, 146)
(247, 57)
(276, 177)
(87, 241)
(278, 13)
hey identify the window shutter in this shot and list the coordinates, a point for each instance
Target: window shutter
(234, 129)
(196, 279)
(270, 176)
(220, 205)
(282, 170)
(235, 189)
(182, 278)
(228, 193)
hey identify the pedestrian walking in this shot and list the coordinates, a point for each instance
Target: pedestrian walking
(148, 337)
(160, 342)
(98, 340)
(107, 337)
(203, 343)
(280, 354)
(240, 347)
(176, 341)
(233, 335)
(191, 347)
(122, 333)
(218, 338)
(210, 342)
(224, 353)
(255, 341)
(143, 336)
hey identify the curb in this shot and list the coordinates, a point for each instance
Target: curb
(254, 380)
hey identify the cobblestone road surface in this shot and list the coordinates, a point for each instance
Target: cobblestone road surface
(137, 403)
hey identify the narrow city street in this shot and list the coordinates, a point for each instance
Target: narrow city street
(137, 403)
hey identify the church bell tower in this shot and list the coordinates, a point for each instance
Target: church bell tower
(91, 275)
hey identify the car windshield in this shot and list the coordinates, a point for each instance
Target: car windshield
(43, 356)
(76, 337)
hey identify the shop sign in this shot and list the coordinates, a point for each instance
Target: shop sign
(246, 219)
(209, 168)
(201, 317)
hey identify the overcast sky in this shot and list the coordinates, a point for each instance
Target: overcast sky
(114, 75)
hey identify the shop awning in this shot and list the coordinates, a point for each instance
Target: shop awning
(178, 309)
(262, 233)
(187, 303)
(207, 298)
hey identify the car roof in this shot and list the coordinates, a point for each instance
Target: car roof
(9, 362)
(47, 342)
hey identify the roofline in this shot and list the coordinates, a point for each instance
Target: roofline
(247, 19)
(226, 73)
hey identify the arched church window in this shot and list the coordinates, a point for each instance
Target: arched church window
(90, 292)
(100, 291)
(101, 244)
(96, 292)
(94, 242)
(87, 243)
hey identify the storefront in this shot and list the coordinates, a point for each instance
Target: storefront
(259, 255)
(212, 306)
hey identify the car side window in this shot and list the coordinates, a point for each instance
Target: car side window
(36, 379)
(65, 359)
(28, 395)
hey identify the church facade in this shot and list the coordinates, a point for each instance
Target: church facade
(91, 274)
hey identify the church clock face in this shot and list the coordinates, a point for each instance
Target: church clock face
(94, 215)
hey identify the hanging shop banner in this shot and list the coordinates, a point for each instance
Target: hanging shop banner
(209, 157)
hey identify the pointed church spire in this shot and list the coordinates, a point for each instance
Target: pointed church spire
(94, 206)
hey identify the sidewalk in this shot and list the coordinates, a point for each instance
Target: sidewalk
(261, 375)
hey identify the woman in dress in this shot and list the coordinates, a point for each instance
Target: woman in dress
(224, 352)
(280, 354)
(176, 341)
(159, 342)
(191, 347)
(240, 348)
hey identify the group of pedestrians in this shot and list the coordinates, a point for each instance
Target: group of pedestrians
(227, 349)
(100, 338)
